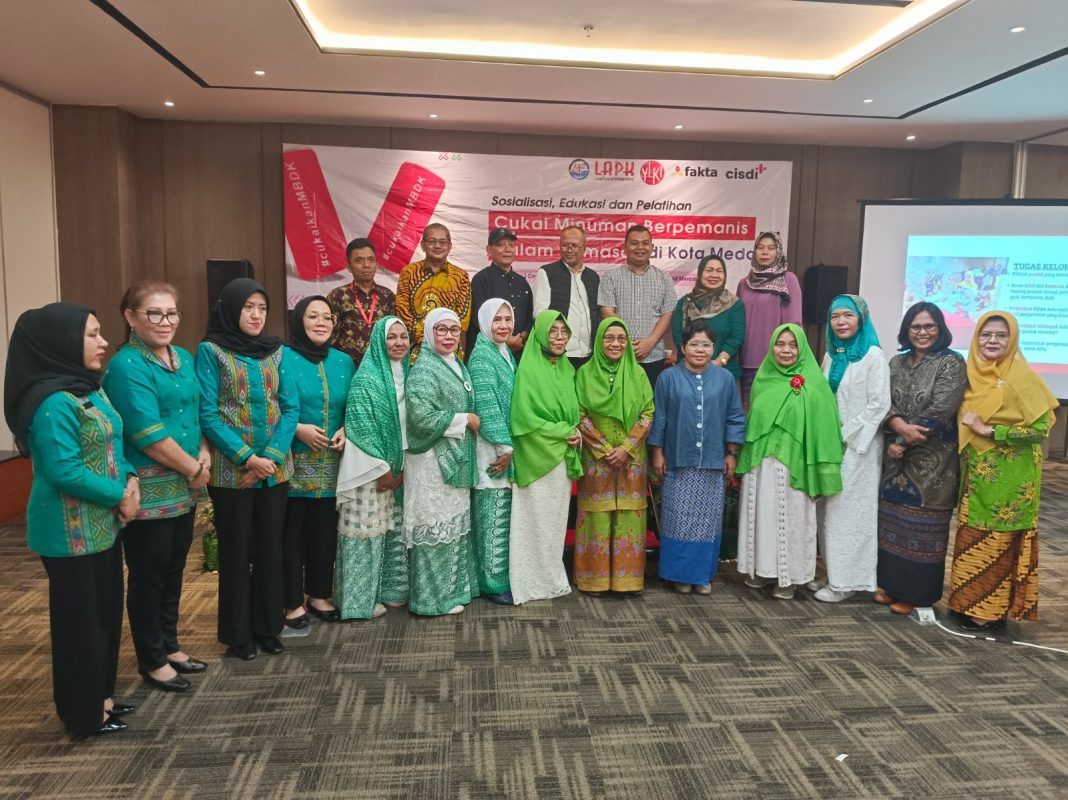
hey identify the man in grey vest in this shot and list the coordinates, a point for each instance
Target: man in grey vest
(571, 288)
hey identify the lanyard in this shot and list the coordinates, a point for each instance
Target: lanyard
(368, 317)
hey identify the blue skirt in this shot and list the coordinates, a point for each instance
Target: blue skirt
(691, 520)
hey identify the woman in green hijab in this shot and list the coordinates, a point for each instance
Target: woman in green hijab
(545, 437)
(439, 472)
(371, 568)
(616, 408)
(792, 455)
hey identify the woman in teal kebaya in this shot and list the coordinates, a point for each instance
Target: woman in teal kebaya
(83, 492)
(153, 386)
(321, 375)
(248, 412)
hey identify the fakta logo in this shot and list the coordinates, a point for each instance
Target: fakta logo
(652, 172)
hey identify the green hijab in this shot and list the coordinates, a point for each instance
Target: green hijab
(619, 389)
(372, 419)
(545, 409)
(797, 426)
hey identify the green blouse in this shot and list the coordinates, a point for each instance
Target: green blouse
(79, 475)
(248, 407)
(729, 327)
(1000, 488)
(322, 389)
(156, 403)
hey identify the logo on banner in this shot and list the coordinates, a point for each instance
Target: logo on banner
(579, 169)
(652, 172)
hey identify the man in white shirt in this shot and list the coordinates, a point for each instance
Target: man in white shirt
(571, 288)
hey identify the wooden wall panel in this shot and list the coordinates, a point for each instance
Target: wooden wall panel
(848, 175)
(1047, 172)
(213, 204)
(86, 153)
(986, 170)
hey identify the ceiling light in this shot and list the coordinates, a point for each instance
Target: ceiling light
(168, 103)
(1017, 29)
(259, 73)
(910, 138)
(433, 116)
(678, 127)
(869, 99)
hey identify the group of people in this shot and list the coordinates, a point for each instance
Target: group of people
(366, 463)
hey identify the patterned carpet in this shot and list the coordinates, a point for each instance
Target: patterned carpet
(664, 696)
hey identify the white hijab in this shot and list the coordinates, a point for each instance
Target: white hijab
(439, 315)
(486, 312)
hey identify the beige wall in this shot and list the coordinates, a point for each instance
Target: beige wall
(29, 272)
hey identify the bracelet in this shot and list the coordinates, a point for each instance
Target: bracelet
(196, 474)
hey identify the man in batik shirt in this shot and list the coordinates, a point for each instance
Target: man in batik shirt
(359, 304)
(433, 283)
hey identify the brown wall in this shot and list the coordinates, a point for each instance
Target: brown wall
(139, 198)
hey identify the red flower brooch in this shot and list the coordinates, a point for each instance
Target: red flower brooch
(796, 383)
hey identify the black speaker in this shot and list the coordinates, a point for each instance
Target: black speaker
(223, 270)
(822, 284)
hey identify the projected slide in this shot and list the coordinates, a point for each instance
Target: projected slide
(968, 275)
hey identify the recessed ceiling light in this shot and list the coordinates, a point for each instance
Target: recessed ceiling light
(259, 73)
(168, 103)
(869, 99)
(1017, 29)
(433, 116)
(911, 137)
(678, 127)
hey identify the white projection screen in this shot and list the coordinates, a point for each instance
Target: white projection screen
(968, 257)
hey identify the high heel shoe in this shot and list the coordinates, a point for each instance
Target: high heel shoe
(110, 725)
(120, 709)
(190, 666)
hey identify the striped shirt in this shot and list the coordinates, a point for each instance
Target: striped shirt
(639, 300)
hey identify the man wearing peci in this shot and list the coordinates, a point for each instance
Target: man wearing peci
(571, 288)
(432, 283)
(500, 280)
(643, 297)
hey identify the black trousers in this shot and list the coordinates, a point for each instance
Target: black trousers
(653, 370)
(156, 550)
(249, 523)
(85, 619)
(309, 544)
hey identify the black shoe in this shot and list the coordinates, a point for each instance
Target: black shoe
(246, 652)
(175, 684)
(297, 623)
(120, 709)
(971, 626)
(333, 615)
(111, 725)
(190, 666)
(270, 645)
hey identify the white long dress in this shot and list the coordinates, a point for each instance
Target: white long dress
(848, 530)
(536, 548)
(776, 527)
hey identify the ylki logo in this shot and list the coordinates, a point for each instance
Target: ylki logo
(652, 172)
(579, 169)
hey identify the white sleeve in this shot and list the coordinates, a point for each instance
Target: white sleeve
(542, 293)
(356, 469)
(458, 427)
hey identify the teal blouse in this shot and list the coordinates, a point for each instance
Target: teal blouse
(79, 475)
(156, 403)
(730, 333)
(247, 407)
(323, 389)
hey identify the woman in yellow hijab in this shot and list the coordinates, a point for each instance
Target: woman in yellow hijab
(1006, 413)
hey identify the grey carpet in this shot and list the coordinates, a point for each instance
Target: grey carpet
(663, 696)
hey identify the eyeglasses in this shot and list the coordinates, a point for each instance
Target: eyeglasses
(156, 317)
(997, 336)
(699, 345)
(567, 246)
(929, 327)
(437, 242)
(615, 339)
(564, 334)
(442, 330)
(329, 319)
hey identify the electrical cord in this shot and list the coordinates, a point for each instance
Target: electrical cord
(980, 637)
